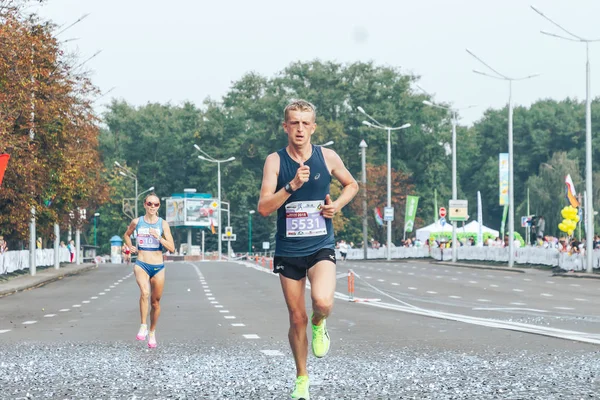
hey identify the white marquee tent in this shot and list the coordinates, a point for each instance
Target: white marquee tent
(473, 227)
(425, 232)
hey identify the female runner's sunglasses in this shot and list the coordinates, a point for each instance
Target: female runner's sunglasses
(150, 204)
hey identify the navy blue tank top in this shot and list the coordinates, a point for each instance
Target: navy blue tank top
(301, 229)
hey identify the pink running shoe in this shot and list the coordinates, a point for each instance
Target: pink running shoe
(142, 333)
(152, 340)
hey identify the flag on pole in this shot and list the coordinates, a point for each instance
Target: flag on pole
(571, 194)
(212, 226)
(3, 164)
(378, 216)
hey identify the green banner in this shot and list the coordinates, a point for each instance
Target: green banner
(504, 214)
(411, 211)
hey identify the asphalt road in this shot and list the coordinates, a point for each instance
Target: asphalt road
(425, 331)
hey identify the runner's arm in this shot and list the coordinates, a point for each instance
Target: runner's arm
(270, 200)
(167, 239)
(341, 173)
(128, 233)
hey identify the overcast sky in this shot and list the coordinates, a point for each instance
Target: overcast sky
(178, 50)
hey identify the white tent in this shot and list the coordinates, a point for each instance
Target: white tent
(424, 233)
(473, 227)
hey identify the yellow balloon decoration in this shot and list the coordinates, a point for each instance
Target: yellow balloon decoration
(571, 217)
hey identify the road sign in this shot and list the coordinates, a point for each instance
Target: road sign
(265, 245)
(228, 231)
(442, 221)
(442, 212)
(388, 214)
(459, 210)
(228, 237)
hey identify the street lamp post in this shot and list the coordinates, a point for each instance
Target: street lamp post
(376, 124)
(250, 231)
(363, 156)
(329, 143)
(589, 205)
(218, 162)
(454, 113)
(96, 215)
(511, 192)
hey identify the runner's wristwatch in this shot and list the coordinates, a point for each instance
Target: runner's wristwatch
(288, 188)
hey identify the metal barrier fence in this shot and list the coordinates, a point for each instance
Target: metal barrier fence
(19, 259)
(16, 260)
(524, 255)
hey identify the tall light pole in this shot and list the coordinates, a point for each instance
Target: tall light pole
(96, 215)
(589, 209)
(454, 114)
(218, 162)
(128, 173)
(250, 231)
(376, 124)
(363, 157)
(511, 191)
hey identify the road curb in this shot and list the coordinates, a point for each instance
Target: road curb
(40, 280)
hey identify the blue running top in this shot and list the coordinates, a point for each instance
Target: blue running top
(145, 241)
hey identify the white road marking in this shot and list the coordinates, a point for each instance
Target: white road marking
(4, 330)
(238, 324)
(492, 285)
(29, 322)
(574, 284)
(484, 300)
(517, 290)
(208, 294)
(85, 301)
(550, 282)
(546, 294)
(49, 315)
(380, 280)
(564, 308)
(518, 304)
(219, 306)
(454, 279)
(395, 284)
(273, 353)
(214, 302)
(64, 310)
(101, 293)
(527, 280)
(508, 309)
(207, 290)
(412, 288)
(455, 297)
(472, 281)
(230, 317)
(224, 311)
(76, 305)
(579, 299)
(252, 336)
(93, 297)
(107, 290)
(431, 292)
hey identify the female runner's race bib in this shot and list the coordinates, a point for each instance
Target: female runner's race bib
(303, 218)
(146, 240)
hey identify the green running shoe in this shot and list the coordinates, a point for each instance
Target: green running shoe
(320, 339)
(301, 390)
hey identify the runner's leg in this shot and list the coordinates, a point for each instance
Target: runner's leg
(293, 292)
(157, 282)
(143, 281)
(322, 289)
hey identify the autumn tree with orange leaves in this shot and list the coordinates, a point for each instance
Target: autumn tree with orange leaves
(47, 126)
(377, 197)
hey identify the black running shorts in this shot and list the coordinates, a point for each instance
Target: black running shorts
(296, 268)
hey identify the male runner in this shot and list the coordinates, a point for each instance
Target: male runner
(153, 235)
(296, 183)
